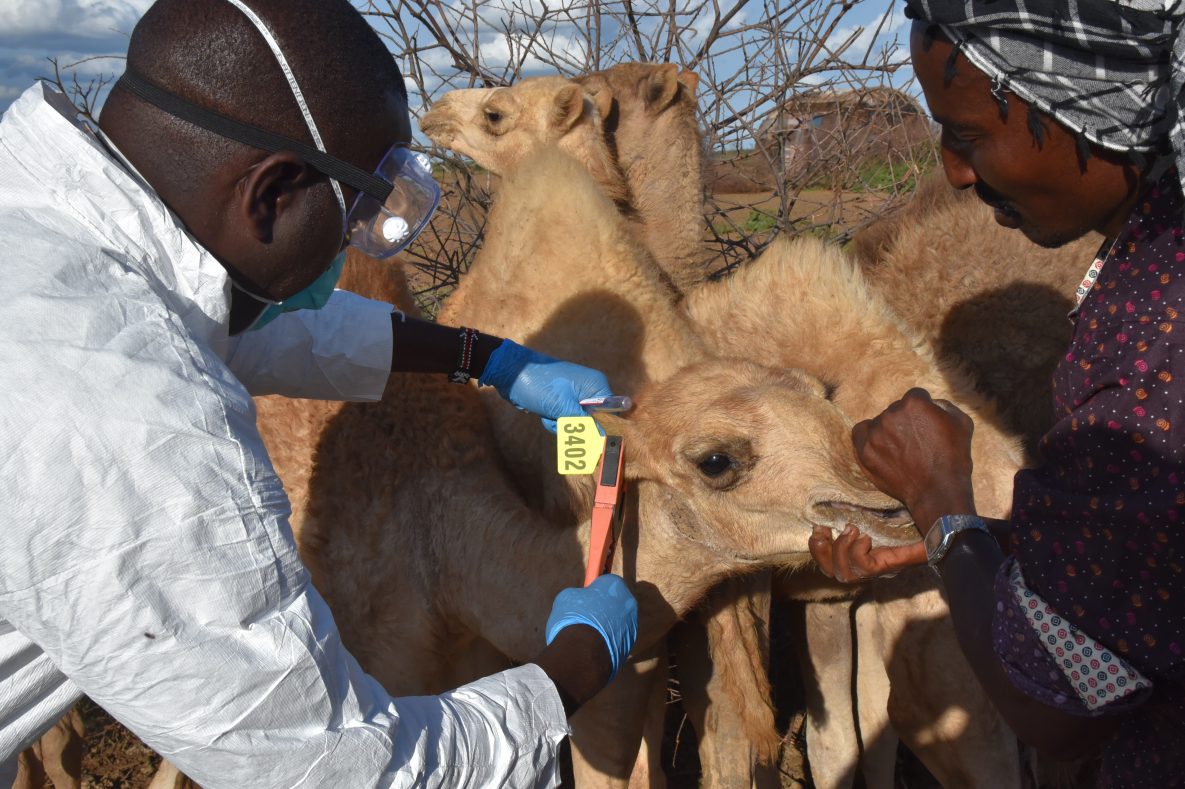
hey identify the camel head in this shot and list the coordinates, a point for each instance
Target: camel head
(645, 106)
(652, 127)
(747, 460)
(498, 127)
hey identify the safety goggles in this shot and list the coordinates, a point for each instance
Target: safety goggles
(380, 226)
(394, 203)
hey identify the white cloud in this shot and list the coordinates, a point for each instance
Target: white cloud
(76, 18)
(870, 36)
(541, 54)
(515, 14)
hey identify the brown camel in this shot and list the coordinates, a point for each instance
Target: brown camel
(652, 125)
(737, 726)
(842, 331)
(731, 464)
(994, 302)
(291, 427)
(648, 115)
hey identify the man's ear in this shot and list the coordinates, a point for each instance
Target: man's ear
(568, 107)
(269, 189)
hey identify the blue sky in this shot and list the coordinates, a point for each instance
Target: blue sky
(32, 30)
(97, 31)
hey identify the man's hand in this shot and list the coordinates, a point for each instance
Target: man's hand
(918, 451)
(850, 557)
(590, 633)
(540, 384)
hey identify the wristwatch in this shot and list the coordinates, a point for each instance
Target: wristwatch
(942, 534)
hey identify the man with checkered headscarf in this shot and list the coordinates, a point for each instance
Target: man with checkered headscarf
(1065, 117)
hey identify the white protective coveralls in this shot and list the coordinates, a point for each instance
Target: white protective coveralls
(145, 554)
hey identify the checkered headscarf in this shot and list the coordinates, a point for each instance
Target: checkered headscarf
(1112, 71)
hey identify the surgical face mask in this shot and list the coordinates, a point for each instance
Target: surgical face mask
(394, 203)
(314, 297)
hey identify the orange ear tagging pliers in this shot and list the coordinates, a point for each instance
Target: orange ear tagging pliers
(608, 506)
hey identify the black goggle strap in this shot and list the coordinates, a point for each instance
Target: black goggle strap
(216, 122)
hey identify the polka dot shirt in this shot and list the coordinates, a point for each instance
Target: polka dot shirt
(1099, 525)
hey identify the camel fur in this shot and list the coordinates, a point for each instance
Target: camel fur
(842, 331)
(450, 535)
(652, 126)
(291, 427)
(645, 124)
(635, 130)
(994, 302)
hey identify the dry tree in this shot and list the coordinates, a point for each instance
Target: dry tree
(808, 116)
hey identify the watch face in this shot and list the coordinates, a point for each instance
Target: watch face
(934, 539)
(943, 532)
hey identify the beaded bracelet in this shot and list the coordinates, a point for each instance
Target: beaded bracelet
(462, 374)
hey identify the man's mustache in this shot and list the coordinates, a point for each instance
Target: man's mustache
(995, 200)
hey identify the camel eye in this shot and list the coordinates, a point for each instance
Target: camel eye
(493, 116)
(715, 464)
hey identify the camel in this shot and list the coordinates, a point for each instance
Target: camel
(652, 126)
(645, 121)
(737, 727)
(1000, 314)
(499, 127)
(867, 355)
(634, 126)
(730, 464)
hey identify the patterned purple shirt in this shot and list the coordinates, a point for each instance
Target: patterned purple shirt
(1098, 529)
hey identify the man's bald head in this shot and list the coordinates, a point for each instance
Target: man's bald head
(270, 218)
(209, 52)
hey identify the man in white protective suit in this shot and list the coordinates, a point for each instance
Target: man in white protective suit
(160, 271)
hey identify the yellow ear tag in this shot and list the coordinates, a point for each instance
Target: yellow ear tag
(578, 445)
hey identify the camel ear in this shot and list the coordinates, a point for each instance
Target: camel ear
(690, 80)
(637, 459)
(568, 107)
(603, 101)
(662, 87)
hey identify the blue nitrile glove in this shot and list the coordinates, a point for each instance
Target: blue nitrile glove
(540, 384)
(606, 606)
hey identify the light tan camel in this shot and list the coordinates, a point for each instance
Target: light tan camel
(838, 328)
(991, 299)
(499, 127)
(636, 131)
(652, 125)
(646, 120)
(736, 728)
(730, 464)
